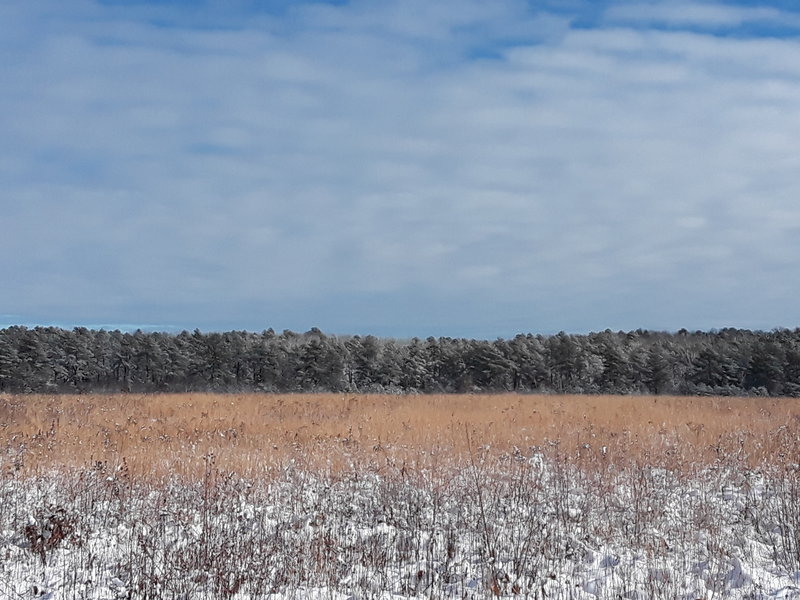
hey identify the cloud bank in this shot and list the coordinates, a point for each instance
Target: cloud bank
(403, 168)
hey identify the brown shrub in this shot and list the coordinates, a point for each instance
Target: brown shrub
(255, 434)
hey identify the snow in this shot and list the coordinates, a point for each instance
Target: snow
(531, 528)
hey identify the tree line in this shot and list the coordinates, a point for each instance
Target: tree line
(725, 362)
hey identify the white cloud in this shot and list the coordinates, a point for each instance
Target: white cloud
(709, 14)
(364, 151)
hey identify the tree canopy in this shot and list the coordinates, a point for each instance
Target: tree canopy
(725, 362)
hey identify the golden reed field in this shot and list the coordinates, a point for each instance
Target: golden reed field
(254, 435)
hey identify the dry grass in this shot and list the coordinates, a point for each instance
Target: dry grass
(254, 434)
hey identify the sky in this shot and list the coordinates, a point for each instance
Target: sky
(400, 167)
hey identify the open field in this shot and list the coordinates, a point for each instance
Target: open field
(249, 434)
(340, 496)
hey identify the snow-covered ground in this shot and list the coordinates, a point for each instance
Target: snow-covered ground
(512, 526)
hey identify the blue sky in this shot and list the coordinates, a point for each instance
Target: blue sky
(400, 167)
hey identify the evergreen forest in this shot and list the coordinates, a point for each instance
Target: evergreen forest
(725, 362)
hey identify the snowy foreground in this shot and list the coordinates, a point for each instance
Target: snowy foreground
(509, 526)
